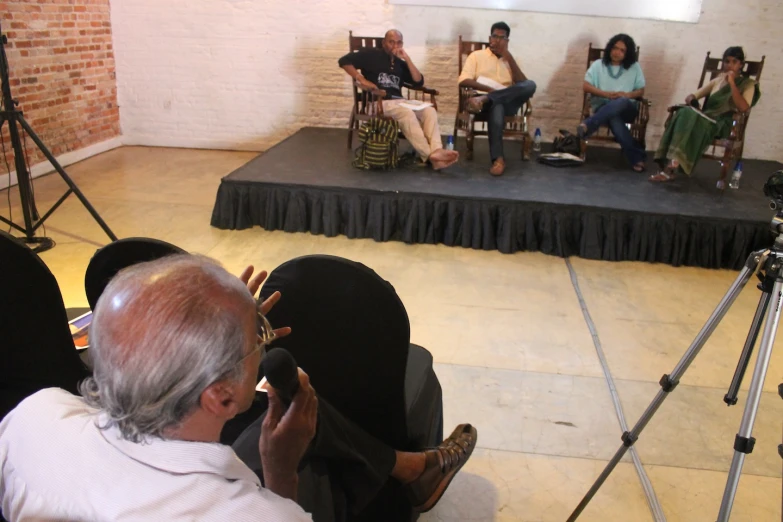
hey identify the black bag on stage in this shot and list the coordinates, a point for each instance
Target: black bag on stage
(567, 150)
(568, 143)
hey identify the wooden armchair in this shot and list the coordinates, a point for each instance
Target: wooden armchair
(638, 128)
(735, 143)
(516, 126)
(368, 104)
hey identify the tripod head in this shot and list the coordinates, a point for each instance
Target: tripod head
(773, 189)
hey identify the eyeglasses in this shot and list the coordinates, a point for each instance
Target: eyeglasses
(498, 37)
(265, 332)
(265, 335)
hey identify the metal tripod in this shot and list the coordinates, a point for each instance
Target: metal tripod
(769, 266)
(32, 220)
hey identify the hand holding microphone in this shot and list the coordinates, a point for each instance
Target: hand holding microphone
(290, 422)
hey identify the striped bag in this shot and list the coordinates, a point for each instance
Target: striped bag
(378, 145)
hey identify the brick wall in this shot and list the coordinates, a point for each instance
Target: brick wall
(61, 62)
(225, 73)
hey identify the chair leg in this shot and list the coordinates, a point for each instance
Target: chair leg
(469, 144)
(527, 142)
(351, 125)
(728, 159)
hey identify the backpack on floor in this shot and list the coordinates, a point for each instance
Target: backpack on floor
(378, 145)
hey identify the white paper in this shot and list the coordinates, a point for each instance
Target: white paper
(415, 105)
(489, 82)
(562, 155)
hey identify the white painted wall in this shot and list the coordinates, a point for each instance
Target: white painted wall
(243, 74)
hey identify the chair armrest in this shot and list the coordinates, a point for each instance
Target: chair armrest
(424, 89)
(375, 100)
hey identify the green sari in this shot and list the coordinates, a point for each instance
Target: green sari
(688, 134)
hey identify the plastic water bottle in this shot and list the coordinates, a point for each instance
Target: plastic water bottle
(450, 143)
(735, 176)
(537, 141)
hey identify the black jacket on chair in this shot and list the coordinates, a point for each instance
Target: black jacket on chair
(36, 345)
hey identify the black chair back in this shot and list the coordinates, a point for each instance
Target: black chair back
(36, 345)
(120, 254)
(350, 334)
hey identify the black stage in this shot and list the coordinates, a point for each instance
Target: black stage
(600, 210)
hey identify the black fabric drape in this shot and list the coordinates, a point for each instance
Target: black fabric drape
(507, 226)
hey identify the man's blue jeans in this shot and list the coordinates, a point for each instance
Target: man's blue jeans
(502, 103)
(616, 113)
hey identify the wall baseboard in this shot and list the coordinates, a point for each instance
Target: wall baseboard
(68, 158)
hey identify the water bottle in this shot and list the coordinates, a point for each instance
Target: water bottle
(537, 141)
(450, 143)
(735, 176)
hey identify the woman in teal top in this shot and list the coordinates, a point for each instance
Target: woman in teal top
(614, 83)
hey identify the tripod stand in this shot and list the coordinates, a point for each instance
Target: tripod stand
(32, 219)
(768, 264)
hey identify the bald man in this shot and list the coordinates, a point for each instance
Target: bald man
(388, 69)
(176, 346)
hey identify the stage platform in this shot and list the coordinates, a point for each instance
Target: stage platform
(600, 210)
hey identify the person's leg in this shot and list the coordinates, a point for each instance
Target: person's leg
(606, 112)
(410, 126)
(633, 151)
(428, 119)
(362, 464)
(513, 96)
(496, 122)
(439, 157)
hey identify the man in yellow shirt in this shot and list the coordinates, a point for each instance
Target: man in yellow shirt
(509, 88)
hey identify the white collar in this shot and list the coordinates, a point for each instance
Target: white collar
(181, 457)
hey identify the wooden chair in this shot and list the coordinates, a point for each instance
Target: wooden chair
(516, 126)
(368, 104)
(735, 143)
(638, 127)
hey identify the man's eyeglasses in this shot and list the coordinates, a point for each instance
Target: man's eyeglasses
(265, 335)
(498, 37)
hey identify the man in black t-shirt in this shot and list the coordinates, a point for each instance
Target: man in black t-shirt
(388, 69)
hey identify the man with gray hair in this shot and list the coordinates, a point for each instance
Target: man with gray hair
(176, 346)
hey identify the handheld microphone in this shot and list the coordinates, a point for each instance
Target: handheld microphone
(281, 373)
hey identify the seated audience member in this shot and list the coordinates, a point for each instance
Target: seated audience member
(613, 83)
(388, 69)
(176, 345)
(497, 64)
(688, 134)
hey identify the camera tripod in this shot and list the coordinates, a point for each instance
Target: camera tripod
(32, 219)
(768, 265)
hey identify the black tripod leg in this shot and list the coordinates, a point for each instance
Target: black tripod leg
(66, 178)
(29, 211)
(669, 382)
(755, 327)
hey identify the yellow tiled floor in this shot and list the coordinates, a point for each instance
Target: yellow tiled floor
(512, 349)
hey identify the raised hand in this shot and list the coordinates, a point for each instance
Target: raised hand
(731, 76)
(253, 285)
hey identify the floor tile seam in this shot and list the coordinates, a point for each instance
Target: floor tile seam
(652, 499)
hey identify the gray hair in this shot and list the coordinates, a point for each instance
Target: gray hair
(162, 332)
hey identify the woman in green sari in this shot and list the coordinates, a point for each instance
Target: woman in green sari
(690, 132)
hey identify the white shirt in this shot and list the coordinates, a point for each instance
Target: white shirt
(55, 464)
